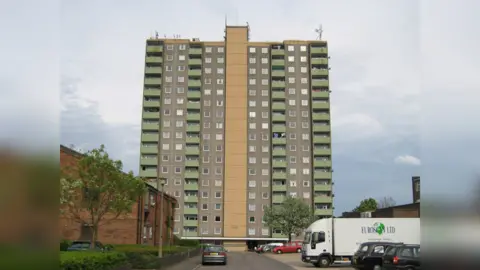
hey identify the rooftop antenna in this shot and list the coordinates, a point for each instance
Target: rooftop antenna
(156, 34)
(225, 20)
(248, 32)
(319, 32)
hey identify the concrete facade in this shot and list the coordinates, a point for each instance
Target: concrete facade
(241, 126)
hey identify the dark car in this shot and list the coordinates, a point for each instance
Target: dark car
(369, 255)
(214, 255)
(402, 257)
(85, 245)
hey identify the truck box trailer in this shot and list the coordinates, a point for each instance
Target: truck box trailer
(333, 240)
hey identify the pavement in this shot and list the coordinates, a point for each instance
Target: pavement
(253, 261)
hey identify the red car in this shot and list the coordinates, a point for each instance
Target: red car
(293, 247)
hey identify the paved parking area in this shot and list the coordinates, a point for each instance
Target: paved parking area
(295, 262)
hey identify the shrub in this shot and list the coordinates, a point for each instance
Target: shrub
(185, 242)
(146, 257)
(91, 260)
(64, 244)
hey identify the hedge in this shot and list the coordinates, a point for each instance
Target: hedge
(91, 260)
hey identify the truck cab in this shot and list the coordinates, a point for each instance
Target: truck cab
(317, 244)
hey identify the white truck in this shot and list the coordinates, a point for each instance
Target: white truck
(333, 240)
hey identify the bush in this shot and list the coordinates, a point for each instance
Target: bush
(91, 260)
(186, 243)
(146, 257)
(64, 244)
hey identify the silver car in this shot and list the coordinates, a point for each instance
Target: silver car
(214, 255)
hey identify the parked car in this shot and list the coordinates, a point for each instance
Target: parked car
(402, 257)
(85, 245)
(369, 255)
(214, 255)
(293, 247)
(269, 247)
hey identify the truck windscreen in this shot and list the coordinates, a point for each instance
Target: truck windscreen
(307, 238)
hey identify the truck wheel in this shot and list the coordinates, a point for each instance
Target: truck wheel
(324, 262)
(299, 250)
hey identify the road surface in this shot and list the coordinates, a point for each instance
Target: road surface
(293, 260)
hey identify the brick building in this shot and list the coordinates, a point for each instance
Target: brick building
(140, 226)
(399, 211)
(416, 188)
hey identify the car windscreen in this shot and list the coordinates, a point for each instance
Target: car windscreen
(214, 249)
(362, 248)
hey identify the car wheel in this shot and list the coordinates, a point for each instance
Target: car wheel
(377, 267)
(279, 252)
(299, 250)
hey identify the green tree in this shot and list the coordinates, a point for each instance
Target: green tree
(292, 217)
(366, 205)
(95, 190)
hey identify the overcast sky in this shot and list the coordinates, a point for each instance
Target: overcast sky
(403, 79)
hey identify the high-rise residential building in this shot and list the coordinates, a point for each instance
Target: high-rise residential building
(235, 126)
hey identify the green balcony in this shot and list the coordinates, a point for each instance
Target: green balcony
(193, 140)
(278, 118)
(279, 176)
(322, 199)
(190, 223)
(149, 161)
(279, 164)
(279, 235)
(193, 117)
(322, 187)
(278, 84)
(323, 212)
(148, 150)
(194, 94)
(192, 151)
(278, 62)
(151, 103)
(279, 141)
(322, 152)
(190, 211)
(151, 115)
(319, 61)
(322, 140)
(322, 50)
(278, 106)
(189, 234)
(150, 126)
(278, 52)
(322, 175)
(191, 174)
(320, 94)
(278, 94)
(321, 105)
(153, 59)
(278, 73)
(153, 81)
(320, 116)
(320, 83)
(191, 199)
(153, 70)
(279, 152)
(279, 188)
(190, 187)
(154, 48)
(192, 163)
(322, 163)
(150, 137)
(148, 173)
(194, 72)
(193, 128)
(194, 83)
(195, 51)
(194, 62)
(152, 93)
(319, 72)
(278, 128)
(321, 128)
(278, 199)
(193, 105)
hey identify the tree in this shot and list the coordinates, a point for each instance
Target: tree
(386, 202)
(95, 191)
(292, 217)
(366, 205)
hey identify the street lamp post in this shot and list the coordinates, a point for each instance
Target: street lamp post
(160, 185)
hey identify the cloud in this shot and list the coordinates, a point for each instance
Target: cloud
(408, 160)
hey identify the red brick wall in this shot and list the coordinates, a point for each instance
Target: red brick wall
(127, 229)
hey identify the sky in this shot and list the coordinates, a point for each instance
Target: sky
(403, 80)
